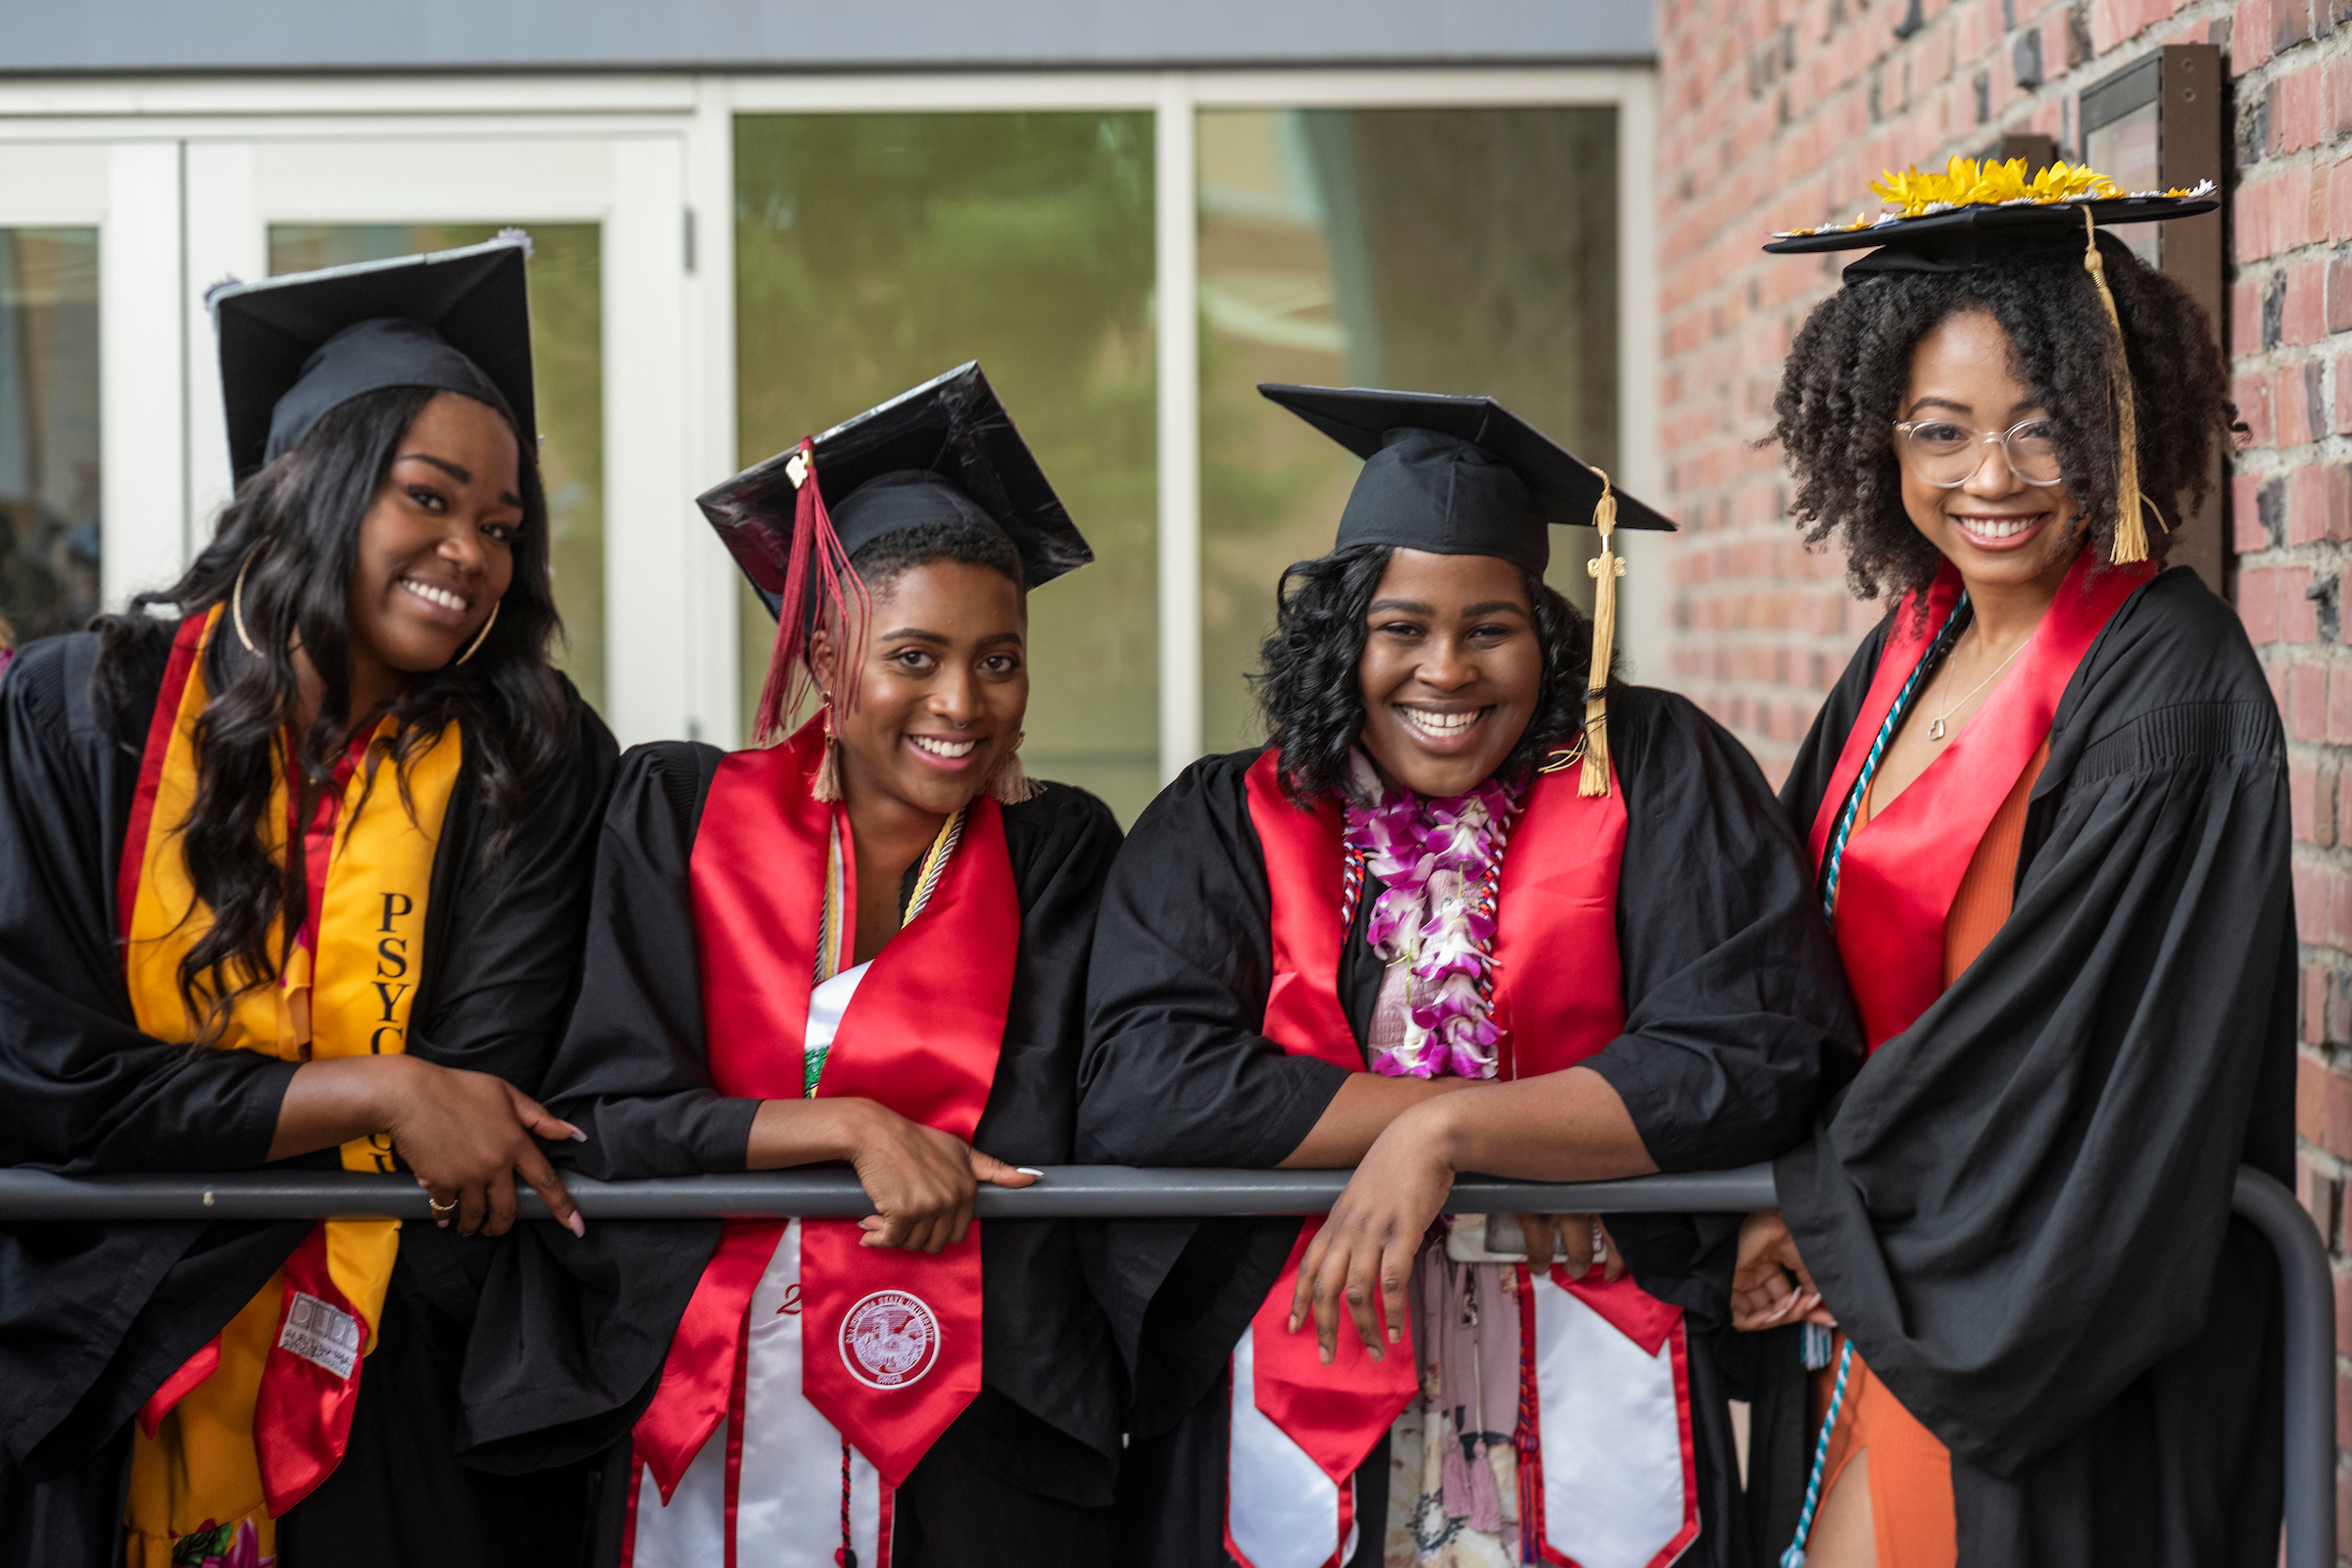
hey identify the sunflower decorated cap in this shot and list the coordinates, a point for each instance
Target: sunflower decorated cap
(1986, 214)
(1975, 215)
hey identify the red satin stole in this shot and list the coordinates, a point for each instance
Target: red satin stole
(1903, 867)
(921, 1036)
(1558, 993)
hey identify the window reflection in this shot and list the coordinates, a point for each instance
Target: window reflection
(1465, 251)
(49, 498)
(875, 251)
(568, 380)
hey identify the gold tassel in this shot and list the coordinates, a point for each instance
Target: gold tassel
(2131, 530)
(1605, 569)
(1011, 783)
(826, 786)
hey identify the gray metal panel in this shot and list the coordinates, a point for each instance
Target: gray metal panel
(173, 35)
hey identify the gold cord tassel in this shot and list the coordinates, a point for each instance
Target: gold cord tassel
(1605, 569)
(2131, 530)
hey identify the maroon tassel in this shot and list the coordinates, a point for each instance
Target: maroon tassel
(1527, 1436)
(815, 563)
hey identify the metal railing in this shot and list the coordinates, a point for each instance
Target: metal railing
(1116, 1192)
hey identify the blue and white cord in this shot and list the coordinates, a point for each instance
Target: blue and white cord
(1794, 1556)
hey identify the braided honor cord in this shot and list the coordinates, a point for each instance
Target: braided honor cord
(1794, 1556)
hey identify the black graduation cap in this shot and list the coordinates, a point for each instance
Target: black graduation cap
(943, 451)
(1962, 237)
(293, 348)
(1454, 475)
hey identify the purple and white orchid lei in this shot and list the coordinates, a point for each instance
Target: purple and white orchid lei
(1439, 862)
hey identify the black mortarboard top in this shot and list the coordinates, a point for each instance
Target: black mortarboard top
(1987, 215)
(293, 348)
(943, 451)
(1454, 475)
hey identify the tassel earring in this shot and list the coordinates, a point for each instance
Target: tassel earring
(826, 786)
(1010, 783)
(1605, 569)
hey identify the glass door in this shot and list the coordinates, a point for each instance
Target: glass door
(609, 276)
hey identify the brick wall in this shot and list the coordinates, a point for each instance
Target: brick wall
(1777, 113)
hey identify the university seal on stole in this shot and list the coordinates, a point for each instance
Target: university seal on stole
(889, 1340)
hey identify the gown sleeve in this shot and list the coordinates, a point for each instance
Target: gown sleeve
(1175, 1071)
(1737, 1023)
(2018, 1208)
(82, 1091)
(572, 1330)
(504, 964)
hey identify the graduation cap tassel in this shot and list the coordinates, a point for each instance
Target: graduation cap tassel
(2131, 530)
(816, 566)
(1605, 569)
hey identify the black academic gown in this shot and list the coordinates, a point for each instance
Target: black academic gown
(573, 1333)
(94, 1317)
(2020, 1210)
(1736, 1024)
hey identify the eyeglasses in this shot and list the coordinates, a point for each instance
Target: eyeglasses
(1947, 455)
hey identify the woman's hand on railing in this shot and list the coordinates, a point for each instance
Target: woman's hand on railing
(921, 1181)
(1770, 1287)
(467, 1136)
(1365, 1250)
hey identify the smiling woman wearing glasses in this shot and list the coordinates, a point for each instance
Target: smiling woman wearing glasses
(2048, 816)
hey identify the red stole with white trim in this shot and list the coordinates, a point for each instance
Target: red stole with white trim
(1559, 997)
(894, 1336)
(1901, 870)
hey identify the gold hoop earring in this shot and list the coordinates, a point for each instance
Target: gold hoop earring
(236, 602)
(481, 637)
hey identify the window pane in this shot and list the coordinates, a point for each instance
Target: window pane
(49, 535)
(1465, 251)
(567, 382)
(875, 251)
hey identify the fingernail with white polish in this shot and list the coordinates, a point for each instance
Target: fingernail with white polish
(576, 1225)
(1029, 1170)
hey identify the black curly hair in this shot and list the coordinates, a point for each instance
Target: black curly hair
(1310, 687)
(1844, 377)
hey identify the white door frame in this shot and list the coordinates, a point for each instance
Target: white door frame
(179, 209)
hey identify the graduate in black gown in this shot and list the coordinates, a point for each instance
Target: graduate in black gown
(867, 944)
(1454, 863)
(2048, 802)
(360, 668)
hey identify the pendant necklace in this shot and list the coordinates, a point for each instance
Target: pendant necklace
(1935, 724)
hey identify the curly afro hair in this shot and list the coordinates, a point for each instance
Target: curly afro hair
(1311, 692)
(1846, 375)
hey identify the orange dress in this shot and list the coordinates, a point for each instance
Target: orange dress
(1910, 1471)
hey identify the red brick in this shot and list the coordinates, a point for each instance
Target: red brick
(2298, 616)
(2252, 395)
(2250, 35)
(2308, 308)
(2291, 404)
(2307, 702)
(2258, 604)
(2311, 1101)
(2311, 926)
(2340, 705)
(2319, 504)
(2296, 114)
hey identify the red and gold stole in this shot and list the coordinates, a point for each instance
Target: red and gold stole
(1558, 997)
(921, 1036)
(259, 1417)
(1899, 871)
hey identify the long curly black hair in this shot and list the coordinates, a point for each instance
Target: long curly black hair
(1844, 377)
(1310, 688)
(298, 523)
